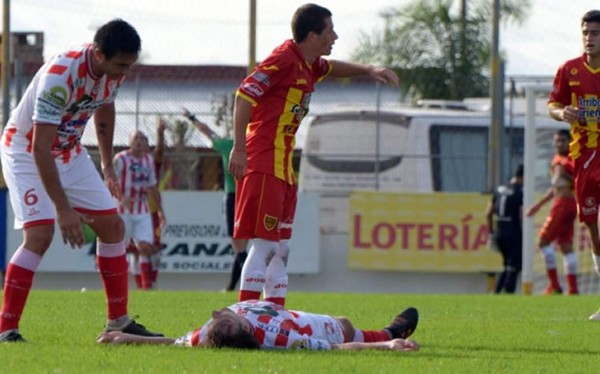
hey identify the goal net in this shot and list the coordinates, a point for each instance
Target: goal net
(538, 154)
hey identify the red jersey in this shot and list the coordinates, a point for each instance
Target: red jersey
(279, 90)
(565, 161)
(578, 85)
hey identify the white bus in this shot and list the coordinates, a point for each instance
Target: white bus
(414, 150)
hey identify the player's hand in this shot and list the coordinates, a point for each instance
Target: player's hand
(384, 75)
(403, 345)
(532, 211)
(113, 337)
(162, 125)
(69, 222)
(111, 181)
(570, 114)
(238, 160)
(161, 219)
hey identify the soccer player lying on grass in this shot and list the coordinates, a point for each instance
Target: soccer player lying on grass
(255, 324)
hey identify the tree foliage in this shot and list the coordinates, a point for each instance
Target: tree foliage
(441, 48)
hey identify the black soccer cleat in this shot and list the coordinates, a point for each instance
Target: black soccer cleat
(404, 324)
(12, 336)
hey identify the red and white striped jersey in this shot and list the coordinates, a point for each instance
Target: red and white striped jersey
(278, 328)
(135, 176)
(64, 92)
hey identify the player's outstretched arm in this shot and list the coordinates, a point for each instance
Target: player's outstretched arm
(119, 337)
(390, 345)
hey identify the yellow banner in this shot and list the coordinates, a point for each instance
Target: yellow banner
(441, 232)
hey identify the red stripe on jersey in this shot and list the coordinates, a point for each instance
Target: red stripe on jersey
(57, 69)
(74, 54)
(10, 132)
(281, 341)
(259, 334)
(195, 340)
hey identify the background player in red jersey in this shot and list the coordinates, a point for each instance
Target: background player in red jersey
(575, 99)
(269, 106)
(257, 324)
(51, 178)
(559, 225)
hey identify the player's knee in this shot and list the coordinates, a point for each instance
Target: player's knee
(145, 249)
(283, 250)
(38, 238)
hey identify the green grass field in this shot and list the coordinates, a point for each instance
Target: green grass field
(457, 333)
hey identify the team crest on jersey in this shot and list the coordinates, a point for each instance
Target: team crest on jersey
(574, 71)
(269, 222)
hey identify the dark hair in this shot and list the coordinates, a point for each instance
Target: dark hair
(307, 18)
(117, 36)
(593, 16)
(563, 132)
(519, 171)
(218, 336)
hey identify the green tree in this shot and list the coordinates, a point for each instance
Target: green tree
(441, 48)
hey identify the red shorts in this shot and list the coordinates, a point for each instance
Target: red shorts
(264, 207)
(587, 182)
(559, 226)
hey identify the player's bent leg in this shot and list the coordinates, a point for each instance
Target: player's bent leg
(255, 266)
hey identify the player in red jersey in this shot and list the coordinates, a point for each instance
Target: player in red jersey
(270, 103)
(575, 99)
(559, 225)
(257, 324)
(51, 178)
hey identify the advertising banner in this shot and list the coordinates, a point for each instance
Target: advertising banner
(194, 239)
(441, 232)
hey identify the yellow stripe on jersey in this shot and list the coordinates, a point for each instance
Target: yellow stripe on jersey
(246, 97)
(283, 133)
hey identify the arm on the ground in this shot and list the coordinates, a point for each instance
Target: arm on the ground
(119, 337)
(390, 345)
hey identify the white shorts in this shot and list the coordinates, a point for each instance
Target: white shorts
(323, 327)
(138, 227)
(32, 206)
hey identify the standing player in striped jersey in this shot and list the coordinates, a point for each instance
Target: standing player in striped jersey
(50, 176)
(269, 106)
(255, 324)
(559, 225)
(135, 169)
(575, 99)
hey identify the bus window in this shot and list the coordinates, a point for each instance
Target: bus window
(458, 158)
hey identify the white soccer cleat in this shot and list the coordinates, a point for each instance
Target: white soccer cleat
(595, 316)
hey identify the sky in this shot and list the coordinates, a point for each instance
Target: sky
(208, 32)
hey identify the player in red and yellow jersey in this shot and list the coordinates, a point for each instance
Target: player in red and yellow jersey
(575, 99)
(269, 106)
(559, 225)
